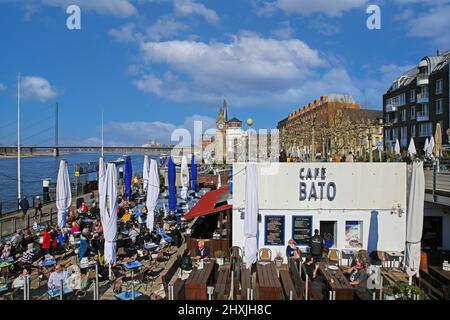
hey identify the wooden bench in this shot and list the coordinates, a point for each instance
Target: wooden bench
(169, 272)
(288, 285)
(245, 282)
(222, 287)
(176, 289)
(434, 288)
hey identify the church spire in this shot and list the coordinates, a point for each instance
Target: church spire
(225, 111)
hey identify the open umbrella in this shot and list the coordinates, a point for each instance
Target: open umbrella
(414, 217)
(438, 140)
(172, 175)
(251, 215)
(193, 174)
(184, 177)
(145, 172)
(152, 193)
(397, 148)
(108, 214)
(63, 193)
(128, 177)
(412, 148)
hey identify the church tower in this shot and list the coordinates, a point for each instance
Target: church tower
(221, 133)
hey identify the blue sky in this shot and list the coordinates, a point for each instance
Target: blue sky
(155, 65)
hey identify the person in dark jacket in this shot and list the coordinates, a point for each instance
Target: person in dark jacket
(186, 261)
(316, 246)
(38, 207)
(85, 249)
(24, 205)
(201, 251)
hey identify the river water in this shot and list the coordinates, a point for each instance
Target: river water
(35, 169)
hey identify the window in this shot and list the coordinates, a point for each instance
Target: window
(439, 86)
(425, 129)
(387, 133)
(439, 106)
(413, 113)
(404, 114)
(412, 96)
(404, 135)
(394, 133)
(401, 99)
(413, 131)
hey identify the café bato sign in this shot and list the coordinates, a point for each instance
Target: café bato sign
(325, 186)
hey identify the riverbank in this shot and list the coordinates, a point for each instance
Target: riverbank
(27, 155)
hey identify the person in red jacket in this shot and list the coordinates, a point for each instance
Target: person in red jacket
(47, 240)
(83, 208)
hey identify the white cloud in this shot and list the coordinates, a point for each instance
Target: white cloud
(284, 31)
(37, 88)
(116, 8)
(2, 87)
(306, 7)
(124, 34)
(165, 27)
(190, 7)
(434, 25)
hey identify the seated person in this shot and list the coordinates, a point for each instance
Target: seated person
(133, 234)
(19, 282)
(75, 228)
(311, 268)
(63, 238)
(85, 249)
(358, 276)
(78, 280)
(6, 252)
(83, 208)
(54, 281)
(201, 251)
(186, 261)
(16, 240)
(165, 225)
(292, 251)
(28, 256)
(176, 236)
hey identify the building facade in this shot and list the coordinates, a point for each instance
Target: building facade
(332, 125)
(417, 101)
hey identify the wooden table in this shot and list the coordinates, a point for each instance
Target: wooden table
(336, 282)
(222, 288)
(198, 281)
(269, 287)
(394, 276)
(440, 274)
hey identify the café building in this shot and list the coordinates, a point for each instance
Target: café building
(357, 205)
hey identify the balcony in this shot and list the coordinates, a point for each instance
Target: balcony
(391, 108)
(422, 117)
(422, 79)
(422, 98)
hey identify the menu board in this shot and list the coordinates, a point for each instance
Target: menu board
(274, 231)
(301, 229)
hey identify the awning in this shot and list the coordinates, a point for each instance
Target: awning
(209, 203)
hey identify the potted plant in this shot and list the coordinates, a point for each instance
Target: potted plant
(279, 259)
(219, 254)
(388, 293)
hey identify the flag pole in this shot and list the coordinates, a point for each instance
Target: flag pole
(19, 191)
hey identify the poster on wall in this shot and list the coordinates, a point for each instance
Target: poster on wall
(274, 231)
(301, 230)
(353, 234)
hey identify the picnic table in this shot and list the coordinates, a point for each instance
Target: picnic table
(394, 276)
(198, 280)
(128, 295)
(56, 292)
(269, 287)
(337, 283)
(47, 263)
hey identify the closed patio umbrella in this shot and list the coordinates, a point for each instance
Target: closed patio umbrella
(184, 177)
(412, 148)
(251, 215)
(152, 193)
(193, 174)
(397, 148)
(431, 145)
(438, 140)
(145, 172)
(172, 175)
(414, 217)
(372, 242)
(108, 214)
(425, 148)
(101, 173)
(63, 193)
(128, 177)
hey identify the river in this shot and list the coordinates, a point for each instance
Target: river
(35, 169)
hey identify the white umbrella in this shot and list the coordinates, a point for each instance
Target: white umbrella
(219, 180)
(108, 214)
(431, 145)
(397, 148)
(145, 172)
(425, 148)
(414, 218)
(63, 193)
(251, 215)
(184, 177)
(412, 148)
(152, 193)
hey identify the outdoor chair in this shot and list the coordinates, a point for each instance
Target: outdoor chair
(334, 256)
(265, 254)
(235, 251)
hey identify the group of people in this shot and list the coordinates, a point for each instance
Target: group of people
(285, 157)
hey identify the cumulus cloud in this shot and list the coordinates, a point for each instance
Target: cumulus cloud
(124, 34)
(165, 27)
(2, 87)
(37, 89)
(190, 7)
(116, 8)
(306, 8)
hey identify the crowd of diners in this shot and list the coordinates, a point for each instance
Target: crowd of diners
(318, 249)
(60, 253)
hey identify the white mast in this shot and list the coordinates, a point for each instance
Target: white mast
(102, 133)
(19, 192)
